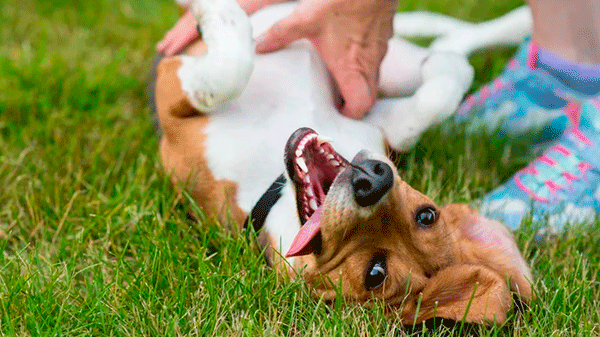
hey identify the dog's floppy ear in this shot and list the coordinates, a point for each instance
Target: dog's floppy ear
(489, 243)
(488, 268)
(474, 293)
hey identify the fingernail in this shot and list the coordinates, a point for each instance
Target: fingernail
(260, 43)
(361, 101)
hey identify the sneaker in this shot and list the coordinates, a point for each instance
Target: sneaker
(562, 186)
(524, 101)
(517, 67)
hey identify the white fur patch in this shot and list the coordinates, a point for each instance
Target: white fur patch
(284, 231)
(509, 29)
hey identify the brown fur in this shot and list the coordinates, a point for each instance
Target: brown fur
(182, 125)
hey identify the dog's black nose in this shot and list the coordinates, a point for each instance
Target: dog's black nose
(371, 179)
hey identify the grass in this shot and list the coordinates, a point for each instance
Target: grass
(94, 241)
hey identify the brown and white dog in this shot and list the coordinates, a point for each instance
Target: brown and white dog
(227, 116)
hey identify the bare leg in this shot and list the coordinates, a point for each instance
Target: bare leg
(570, 29)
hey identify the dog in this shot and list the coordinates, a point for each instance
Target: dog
(227, 116)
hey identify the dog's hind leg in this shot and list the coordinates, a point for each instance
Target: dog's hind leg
(507, 30)
(400, 70)
(221, 73)
(465, 37)
(426, 24)
(445, 79)
(445, 75)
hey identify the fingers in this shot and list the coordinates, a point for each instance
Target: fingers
(180, 36)
(181, 42)
(354, 66)
(358, 93)
(284, 32)
(165, 42)
(251, 6)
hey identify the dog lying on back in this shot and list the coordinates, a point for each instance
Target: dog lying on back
(227, 116)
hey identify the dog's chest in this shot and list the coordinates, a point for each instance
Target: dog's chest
(287, 90)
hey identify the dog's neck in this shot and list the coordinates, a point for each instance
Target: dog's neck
(261, 210)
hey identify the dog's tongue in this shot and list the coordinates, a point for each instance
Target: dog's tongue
(303, 242)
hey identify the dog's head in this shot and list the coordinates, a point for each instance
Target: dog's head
(367, 230)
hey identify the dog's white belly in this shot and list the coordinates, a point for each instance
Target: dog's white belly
(287, 90)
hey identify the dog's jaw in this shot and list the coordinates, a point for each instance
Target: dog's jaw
(312, 165)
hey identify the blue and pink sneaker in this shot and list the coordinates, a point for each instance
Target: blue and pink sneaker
(560, 187)
(524, 101)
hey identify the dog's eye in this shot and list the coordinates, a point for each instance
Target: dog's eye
(376, 273)
(426, 216)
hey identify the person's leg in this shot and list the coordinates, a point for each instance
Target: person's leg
(554, 85)
(558, 67)
(568, 36)
(569, 29)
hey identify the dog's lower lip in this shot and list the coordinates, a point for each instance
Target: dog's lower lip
(312, 164)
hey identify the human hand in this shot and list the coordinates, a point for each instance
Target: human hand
(180, 36)
(350, 35)
(185, 30)
(251, 6)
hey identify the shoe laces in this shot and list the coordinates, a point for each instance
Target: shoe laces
(556, 170)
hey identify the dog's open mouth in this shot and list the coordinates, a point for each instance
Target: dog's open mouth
(313, 165)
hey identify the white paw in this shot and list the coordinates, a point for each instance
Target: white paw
(220, 74)
(446, 78)
(453, 65)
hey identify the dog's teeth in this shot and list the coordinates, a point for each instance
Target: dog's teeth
(323, 139)
(302, 164)
(334, 163)
(330, 157)
(305, 140)
(310, 192)
(313, 204)
(298, 153)
(307, 179)
(321, 151)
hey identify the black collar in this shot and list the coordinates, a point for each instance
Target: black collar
(259, 212)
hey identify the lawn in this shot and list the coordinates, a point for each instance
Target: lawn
(94, 241)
